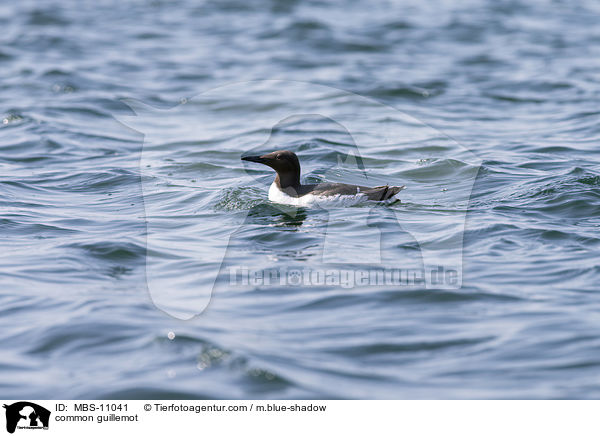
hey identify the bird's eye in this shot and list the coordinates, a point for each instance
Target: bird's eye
(278, 156)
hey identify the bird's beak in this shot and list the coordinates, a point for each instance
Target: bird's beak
(265, 159)
(257, 159)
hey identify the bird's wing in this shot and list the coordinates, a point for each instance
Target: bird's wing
(377, 193)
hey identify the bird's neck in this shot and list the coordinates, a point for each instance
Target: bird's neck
(288, 180)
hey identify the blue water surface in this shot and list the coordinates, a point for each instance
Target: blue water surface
(503, 93)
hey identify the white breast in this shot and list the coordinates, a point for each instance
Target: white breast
(308, 200)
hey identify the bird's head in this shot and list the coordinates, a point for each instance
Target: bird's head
(285, 162)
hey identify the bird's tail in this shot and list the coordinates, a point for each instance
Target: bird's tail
(389, 191)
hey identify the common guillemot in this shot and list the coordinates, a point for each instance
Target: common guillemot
(287, 189)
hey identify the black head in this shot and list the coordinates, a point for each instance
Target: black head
(285, 163)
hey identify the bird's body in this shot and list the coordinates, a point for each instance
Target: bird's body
(287, 189)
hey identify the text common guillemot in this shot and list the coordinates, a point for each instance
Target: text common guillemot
(287, 189)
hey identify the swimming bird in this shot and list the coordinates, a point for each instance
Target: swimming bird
(287, 189)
